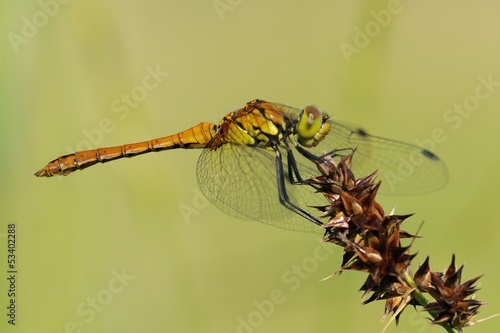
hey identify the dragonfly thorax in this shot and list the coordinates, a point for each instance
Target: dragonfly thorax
(253, 126)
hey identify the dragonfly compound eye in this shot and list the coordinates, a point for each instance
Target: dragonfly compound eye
(308, 125)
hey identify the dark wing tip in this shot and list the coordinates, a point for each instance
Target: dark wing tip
(361, 132)
(430, 155)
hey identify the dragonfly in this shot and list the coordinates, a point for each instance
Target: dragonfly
(254, 162)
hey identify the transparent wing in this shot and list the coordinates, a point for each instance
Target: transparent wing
(242, 182)
(403, 168)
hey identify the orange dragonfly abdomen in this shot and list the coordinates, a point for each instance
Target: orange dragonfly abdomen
(195, 137)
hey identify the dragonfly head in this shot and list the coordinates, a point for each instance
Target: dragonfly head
(312, 126)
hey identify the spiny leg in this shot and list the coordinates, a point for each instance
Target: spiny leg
(293, 170)
(283, 196)
(333, 153)
(313, 158)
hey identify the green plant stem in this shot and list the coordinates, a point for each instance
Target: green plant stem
(420, 298)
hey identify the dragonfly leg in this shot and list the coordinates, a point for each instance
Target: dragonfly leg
(293, 170)
(292, 165)
(334, 152)
(283, 196)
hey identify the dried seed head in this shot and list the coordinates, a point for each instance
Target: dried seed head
(450, 305)
(372, 244)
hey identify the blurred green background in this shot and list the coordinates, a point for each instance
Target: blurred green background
(109, 249)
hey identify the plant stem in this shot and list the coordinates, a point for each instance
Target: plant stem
(420, 298)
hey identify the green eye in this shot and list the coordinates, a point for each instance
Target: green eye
(309, 123)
